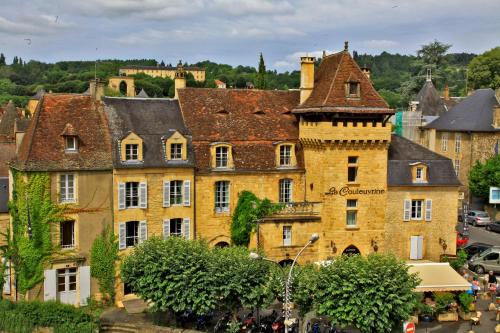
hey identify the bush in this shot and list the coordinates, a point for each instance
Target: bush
(443, 301)
(465, 300)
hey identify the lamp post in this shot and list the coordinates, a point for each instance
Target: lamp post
(288, 285)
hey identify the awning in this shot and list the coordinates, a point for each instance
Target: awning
(438, 277)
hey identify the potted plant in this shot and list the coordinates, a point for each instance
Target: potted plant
(466, 302)
(425, 311)
(446, 307)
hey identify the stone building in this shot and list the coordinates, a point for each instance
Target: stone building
(163, 71)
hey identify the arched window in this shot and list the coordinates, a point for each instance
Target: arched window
(351, 250)
(123, 87)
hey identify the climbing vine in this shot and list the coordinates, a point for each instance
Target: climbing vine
(103, 255)
(248, 210)
(31, 205)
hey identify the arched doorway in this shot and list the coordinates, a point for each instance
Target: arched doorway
(123, 88)
(351, 250)
(286, 262)
(221, 245)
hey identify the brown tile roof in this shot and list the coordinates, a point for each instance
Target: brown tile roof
(43, 146)
(328, 94)
(9, 119)
(251, 120)
(7, 153)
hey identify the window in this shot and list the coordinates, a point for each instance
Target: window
(222, 196)
(352, 169)
(127, 289)
(285, 194)
(66, 279)
(352, 212)
(285, 155)
(444, 141)
(131, 233)
(287, 236)
(176, 151)
(353, 89)
(131, 194)
(416, 209)
(458, 142)
(176, 192)
(131, 152)
(71, 143)
(221, 157)
(492, 256)
(419, 174)
(67, 234)
(176, 227)
(67, 188)
(457, 167)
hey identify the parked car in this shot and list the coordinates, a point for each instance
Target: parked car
(485, 261)
(474, 248)
(478, 218)
(494, 226)
(462, 239)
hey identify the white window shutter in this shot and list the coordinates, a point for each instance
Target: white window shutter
(143, 195)
(407, 210)
(166, 193)
(187, 192)
(50, 285)
(186, 228)
(166, 228)
(6, 279)
(84, 273)
(420, 254)
(143, 231)
(121, 236)
(413, 247)
(428, 209)
(121, 196)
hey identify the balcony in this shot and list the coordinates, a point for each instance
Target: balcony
(296, 211)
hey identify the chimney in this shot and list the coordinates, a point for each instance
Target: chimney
(366, 71)
(306, 77)
(446, 93)
(96, 89)
(180, 78)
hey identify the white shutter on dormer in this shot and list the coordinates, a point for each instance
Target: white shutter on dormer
(407, 210)
(143, 231)
(121, 196)
(166, 193)
(186, 228)
(143, 195)
(166, 228)
(122, 236)
(428, 209)
(187, 193)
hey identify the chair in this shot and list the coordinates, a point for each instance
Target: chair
(476, 320)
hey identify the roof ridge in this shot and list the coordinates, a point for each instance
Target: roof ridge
(32, 128)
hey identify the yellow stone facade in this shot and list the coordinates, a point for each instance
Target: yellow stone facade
(198, 74)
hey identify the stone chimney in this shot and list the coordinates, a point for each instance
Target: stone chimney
(96, 89)
(306, 77)
(180, 78)
(446, 93)
(366, 71)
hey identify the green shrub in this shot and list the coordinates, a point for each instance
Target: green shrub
(443, 300)
(465, 300)
(12, 322)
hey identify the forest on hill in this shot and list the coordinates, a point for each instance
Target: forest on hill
(396, 77)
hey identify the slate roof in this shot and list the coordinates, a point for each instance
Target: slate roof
(43, 146)
(154, 120)
(9, 119)
(403, 152)
(328, 94)
(142, 94)
(251, 120)
(429, 100)
(473, 114)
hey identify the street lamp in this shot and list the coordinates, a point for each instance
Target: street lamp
(288, 285)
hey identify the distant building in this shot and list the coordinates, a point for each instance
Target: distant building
(220, 84)
(163, 71)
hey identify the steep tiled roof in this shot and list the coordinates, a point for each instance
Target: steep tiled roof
(43, 146)
(154, 120)
(7, 153)
(404, 152)
(9, 119)
(251, 120)
(329, 95)
(429, 101)
(474, 114)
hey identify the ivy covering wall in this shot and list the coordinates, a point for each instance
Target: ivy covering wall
(103, 256)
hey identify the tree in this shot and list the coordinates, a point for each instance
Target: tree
(484, 70)
(482, 176)
(261, 79)
(162, 63)
(373, 293)
(434, 53)
(2, 59)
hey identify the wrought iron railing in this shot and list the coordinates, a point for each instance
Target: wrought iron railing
(299, 208)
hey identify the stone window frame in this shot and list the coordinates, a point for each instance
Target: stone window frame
(285, 190)
(131, 152)
(222, 200)
(213, 153)
(352, 210)
(424, 173)
(420, 209)
(287, 235)
(353, 165)
(132, 194)
(73, 148)
(63, 180)
(73, 235)
(175, 138)
(131, 139)
(278, 153)
(174, 194)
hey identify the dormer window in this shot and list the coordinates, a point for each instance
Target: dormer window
(71, 143)
(353, 88)
(221, 157)
(176, 151)
(285, 155)
(175, 146)
(419, 172)
(131, 152)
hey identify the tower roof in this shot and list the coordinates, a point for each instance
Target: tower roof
(142, 94)
(7, 124)
(429, 101)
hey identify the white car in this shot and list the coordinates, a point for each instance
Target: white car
(477, 218)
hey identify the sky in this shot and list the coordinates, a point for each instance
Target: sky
(236, 31)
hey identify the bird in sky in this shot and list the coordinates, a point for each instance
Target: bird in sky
(28, 40)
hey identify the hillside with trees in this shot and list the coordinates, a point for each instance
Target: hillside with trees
(397, 77)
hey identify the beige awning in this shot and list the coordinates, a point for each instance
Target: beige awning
(438, 277)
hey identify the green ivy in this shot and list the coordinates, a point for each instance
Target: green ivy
(248, 210)
(103, 256)
(28, 255)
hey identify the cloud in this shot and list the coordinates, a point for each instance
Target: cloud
(252, 7)
(292, 61)
(382, 44)
(271, 33)
(32, 25)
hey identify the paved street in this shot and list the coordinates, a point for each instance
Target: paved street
(480, 234)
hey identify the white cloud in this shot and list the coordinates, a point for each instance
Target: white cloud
(32, 25)
(252, 7)
(292, 61)
(382, 44)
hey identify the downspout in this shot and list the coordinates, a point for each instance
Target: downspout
(194, 203)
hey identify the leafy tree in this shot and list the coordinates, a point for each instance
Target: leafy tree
(434, 53)
(2, 59)
(373, 293)
(261, 79)
(484, 70)
(482, 176)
